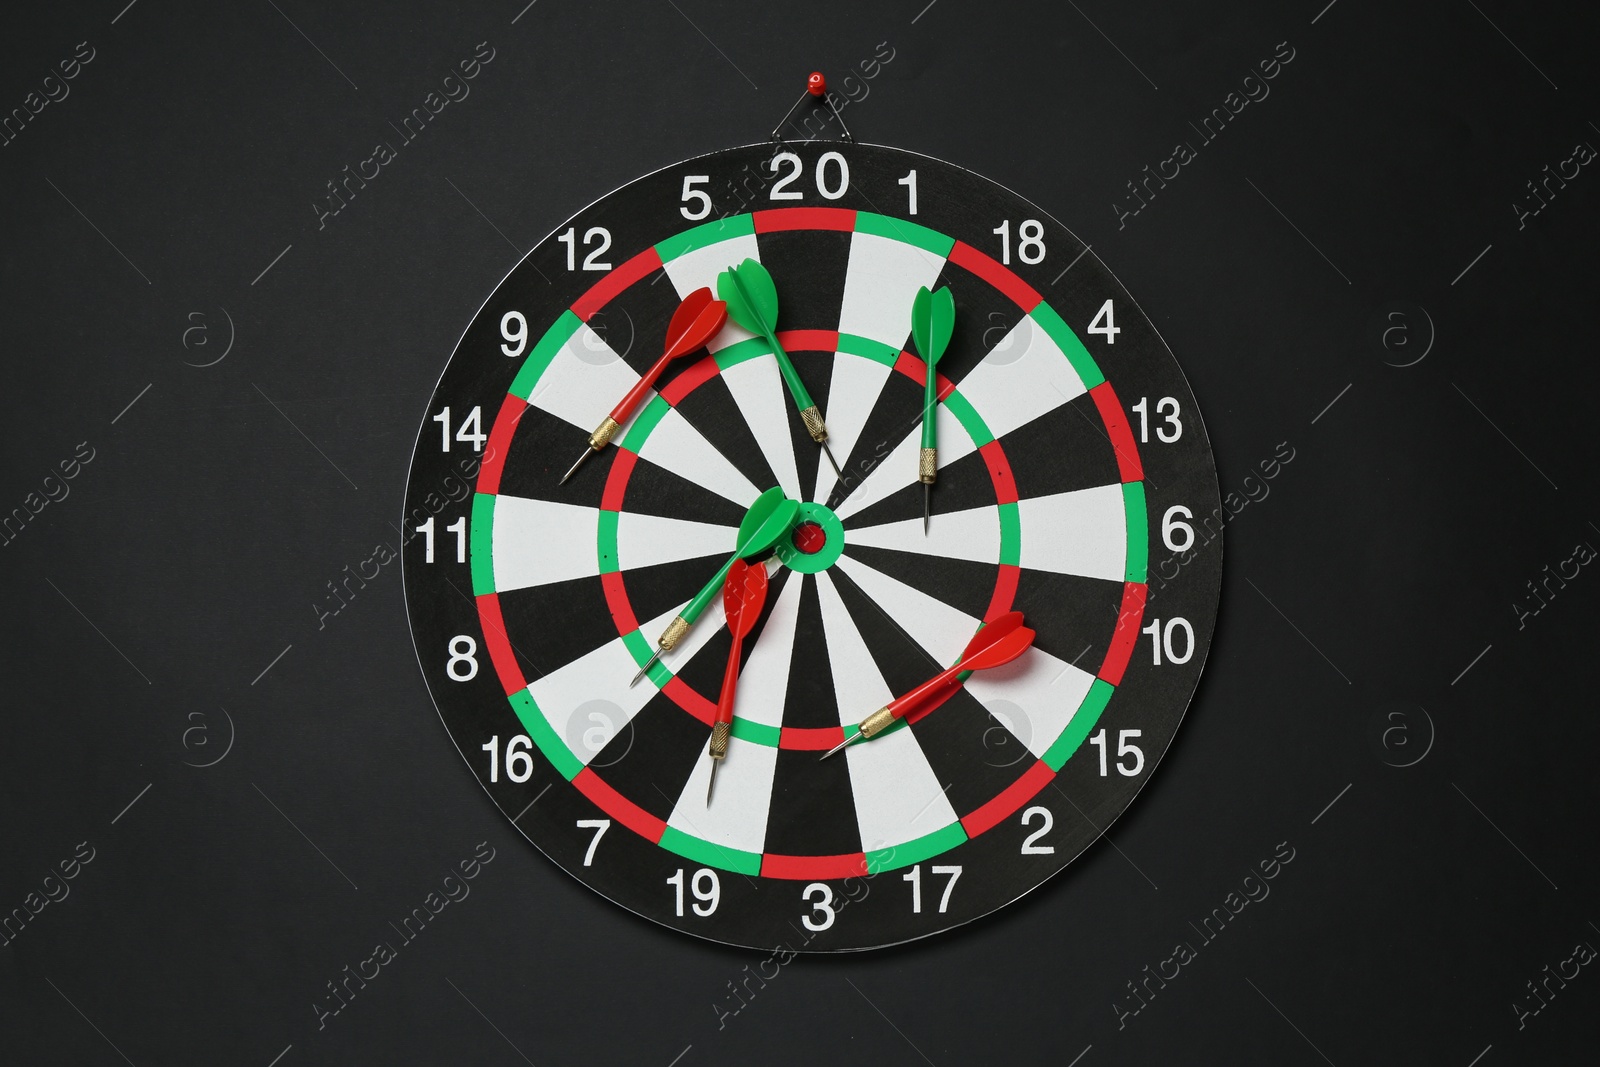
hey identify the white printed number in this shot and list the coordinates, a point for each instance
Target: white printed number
(1174, 529)
(519, 758)
(1030, 846)
(1105, 324)
(705, 898)
(691, 194)
(599, 826)
(1167, 408)
(832, 176)
(597, 236)
(821, 908)
(459, 528)
(514, 328)
(461, 666)
(1030, 242)
(1123, 749)
(1161, 640)
(910, 182)
(470, 431)
(915, 878)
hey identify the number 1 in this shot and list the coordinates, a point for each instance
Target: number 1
(910, 182)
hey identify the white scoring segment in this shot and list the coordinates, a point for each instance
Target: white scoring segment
(881, 281)
(588, 701)
(973, 534)
(648, 540)
(737, 817)
(1034, 696)
(537, 542)
(1021, 378)
(699, 268)
(584, 380)
(677, 446)
(764, 682)
(757, 387)
(852, 394)
(1088, 533)
(896, 793)
(943, 631)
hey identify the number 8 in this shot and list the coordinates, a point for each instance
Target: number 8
(459, 656)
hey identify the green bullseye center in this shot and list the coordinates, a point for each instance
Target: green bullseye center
(815, 543)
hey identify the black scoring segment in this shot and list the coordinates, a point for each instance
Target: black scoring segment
(808, 267)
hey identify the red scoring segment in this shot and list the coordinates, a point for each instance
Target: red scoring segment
(642, 265)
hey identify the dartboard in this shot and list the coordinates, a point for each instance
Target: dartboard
(861, 446)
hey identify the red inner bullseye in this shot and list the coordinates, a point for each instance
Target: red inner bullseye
(810, 538)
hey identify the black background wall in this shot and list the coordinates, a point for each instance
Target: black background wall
(246, 800)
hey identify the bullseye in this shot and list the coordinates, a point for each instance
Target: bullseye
(810, 538)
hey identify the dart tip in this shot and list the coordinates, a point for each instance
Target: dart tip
(711, 784)
(651, 662)
(574, 468)
(927, 506)
(842, 744)
(837, 473)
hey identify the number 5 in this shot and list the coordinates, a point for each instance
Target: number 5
(690, 193)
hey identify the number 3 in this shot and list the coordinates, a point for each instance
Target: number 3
(823, 907)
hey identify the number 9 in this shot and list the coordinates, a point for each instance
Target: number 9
(516, 338)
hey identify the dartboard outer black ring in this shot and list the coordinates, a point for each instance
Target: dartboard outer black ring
(1014, 836)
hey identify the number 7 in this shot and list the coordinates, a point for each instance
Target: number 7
(599, 826)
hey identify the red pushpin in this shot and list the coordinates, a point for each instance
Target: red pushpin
(816, 88)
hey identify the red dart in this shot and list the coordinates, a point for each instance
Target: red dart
(696, 322)
(744, 593)
(995, 645)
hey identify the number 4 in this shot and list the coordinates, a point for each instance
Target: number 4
(1105, 323)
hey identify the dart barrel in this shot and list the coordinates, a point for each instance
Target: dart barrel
(814, 424)
(928, 465)
(673, 634)
(719, 740)
(603, 433)
(876, 723)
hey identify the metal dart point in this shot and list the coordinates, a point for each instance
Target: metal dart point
(574, 468)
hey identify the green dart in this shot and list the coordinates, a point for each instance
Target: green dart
(768, 519)
(752, 301)
(933, 317)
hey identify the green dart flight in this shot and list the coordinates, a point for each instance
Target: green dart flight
(752, 301)
(768, 519)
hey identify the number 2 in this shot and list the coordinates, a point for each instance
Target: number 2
(1029, 845)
